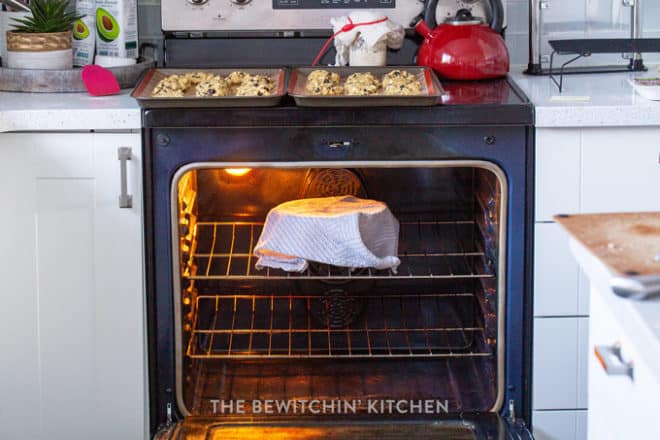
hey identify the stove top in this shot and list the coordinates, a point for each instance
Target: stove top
(492, 102)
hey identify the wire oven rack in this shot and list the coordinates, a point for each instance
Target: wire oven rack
(285, 326)
(427, 249)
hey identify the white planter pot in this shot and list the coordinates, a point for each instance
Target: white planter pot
(39, 50)
(54, 59)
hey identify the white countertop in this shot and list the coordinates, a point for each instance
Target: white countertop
(593, 100)
(597, 100)
(67, 111)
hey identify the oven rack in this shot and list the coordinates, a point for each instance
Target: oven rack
(440, 325)
(427, 249)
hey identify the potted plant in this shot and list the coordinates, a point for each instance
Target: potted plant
(42, 40)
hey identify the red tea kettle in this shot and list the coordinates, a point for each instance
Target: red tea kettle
(463, 48)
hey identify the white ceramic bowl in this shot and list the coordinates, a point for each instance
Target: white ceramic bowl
(649, 92)
(55, 59)
(105, 61)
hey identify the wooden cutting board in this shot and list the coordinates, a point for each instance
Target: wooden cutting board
(629, 244)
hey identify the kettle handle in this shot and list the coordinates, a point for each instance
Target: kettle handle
(496, 14)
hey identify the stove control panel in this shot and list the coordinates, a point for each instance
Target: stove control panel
(337, 4)
(274, 15)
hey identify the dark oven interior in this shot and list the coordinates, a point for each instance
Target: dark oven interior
(433, 330)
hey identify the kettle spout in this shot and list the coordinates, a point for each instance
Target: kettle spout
(423, 29)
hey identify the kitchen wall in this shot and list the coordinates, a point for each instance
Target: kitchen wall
(516, 34)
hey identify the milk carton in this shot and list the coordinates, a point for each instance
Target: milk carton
(116, 28)
(84, 33)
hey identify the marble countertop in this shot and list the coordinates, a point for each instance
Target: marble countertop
(598, 100)
(68, 111)
(593, 100)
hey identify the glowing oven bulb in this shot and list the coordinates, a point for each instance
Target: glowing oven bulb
(238, 172)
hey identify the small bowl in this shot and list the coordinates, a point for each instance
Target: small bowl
(650, 92)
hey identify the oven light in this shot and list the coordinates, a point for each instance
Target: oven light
(238, 172)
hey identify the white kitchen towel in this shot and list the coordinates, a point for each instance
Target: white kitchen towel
(342, 231)
(372, 34)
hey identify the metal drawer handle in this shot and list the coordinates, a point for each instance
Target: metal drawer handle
(611, 360)
(339, 144)
(125, 199)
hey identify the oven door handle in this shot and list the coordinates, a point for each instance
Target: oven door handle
(124, 154)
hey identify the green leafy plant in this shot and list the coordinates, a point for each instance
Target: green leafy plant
(47, 16)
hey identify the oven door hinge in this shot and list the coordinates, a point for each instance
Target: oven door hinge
(517, 428)
(167, 430)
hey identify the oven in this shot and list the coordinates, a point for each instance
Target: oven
(438, 349)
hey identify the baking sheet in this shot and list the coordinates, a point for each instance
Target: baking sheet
(431, 88)
(142, 92)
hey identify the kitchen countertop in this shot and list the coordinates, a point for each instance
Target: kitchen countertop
(593, 100)
(611, 102)
(68, 111)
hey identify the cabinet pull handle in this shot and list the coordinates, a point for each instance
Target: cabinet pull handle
(611, 360)
(125, 199)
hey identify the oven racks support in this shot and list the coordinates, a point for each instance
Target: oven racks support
(286, 326)
(427, 249)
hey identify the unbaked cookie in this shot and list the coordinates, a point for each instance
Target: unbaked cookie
(400, 82)
(171, 86)
(214, 86)
(362, 84)
(255, 85)
(197, 77)
(237, 77)
(322, 82)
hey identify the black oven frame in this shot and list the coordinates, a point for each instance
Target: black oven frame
(501, 134)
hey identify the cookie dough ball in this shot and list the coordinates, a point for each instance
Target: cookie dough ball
(236, 77)
(362, 84)
(214, 86)
(171, 86)
(198, 77)
(322, 82)
(255, 85)
(400, 82)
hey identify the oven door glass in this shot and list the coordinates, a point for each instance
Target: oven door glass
(419, 344)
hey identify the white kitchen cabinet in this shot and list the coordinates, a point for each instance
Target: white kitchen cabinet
(620, 170)
(560, 425)
(557, 169)
(560, 380)
(72, 314)
(578, 170)
(556, 276)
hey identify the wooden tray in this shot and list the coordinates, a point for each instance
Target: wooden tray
(142, 92)
(431, 88)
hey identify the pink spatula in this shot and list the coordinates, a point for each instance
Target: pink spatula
(99, 81)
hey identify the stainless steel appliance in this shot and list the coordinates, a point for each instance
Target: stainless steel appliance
(451, 327)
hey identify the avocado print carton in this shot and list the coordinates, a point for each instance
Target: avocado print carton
(84, 36)
(116, 28)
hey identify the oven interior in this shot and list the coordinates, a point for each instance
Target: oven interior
(429, 331)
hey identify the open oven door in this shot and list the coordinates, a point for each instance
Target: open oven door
(476, 427)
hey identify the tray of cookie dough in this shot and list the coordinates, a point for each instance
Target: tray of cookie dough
(364, 86)
(187, 88)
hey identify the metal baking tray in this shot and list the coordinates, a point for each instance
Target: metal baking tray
(142, 92)
(431, 88)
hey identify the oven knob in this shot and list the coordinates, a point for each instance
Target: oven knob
(197, 2)
(241, 2)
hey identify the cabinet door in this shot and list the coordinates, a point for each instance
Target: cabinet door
(74, 303)
(620, 169)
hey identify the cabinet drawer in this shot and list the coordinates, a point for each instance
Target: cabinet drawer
(557, 172)
(559, 367)
(621, 406)
(555, 273)
(618, 176)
